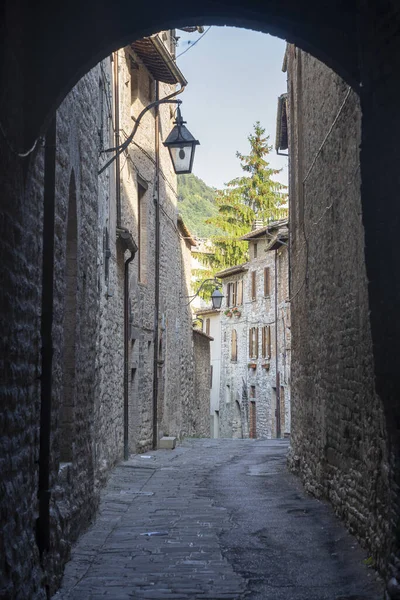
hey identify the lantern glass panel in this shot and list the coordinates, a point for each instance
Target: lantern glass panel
(216, 298)
(181, 157)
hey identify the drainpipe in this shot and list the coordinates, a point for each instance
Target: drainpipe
(277, 383)
(126, 240)
(46, 327)
(117, 141)
(156, 270)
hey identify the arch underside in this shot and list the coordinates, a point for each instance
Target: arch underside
(68, 39)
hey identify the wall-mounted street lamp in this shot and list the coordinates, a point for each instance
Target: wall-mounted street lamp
(181, 145)
(216, 296)
(180, 142)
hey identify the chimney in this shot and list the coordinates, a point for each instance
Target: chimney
(257, 224)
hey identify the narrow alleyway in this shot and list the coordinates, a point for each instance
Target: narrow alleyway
(215, 519)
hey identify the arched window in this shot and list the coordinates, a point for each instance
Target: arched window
(234, 345)
(67, 407)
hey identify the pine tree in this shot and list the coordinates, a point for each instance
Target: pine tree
(254, 196)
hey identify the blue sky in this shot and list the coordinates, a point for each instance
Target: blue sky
(235, 77)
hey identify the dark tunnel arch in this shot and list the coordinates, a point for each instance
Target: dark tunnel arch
(70, 38)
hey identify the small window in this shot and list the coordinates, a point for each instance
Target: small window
(252, 391)
(267, 282)
(253, 285)
(253, 342)
(134, 69)
(208, 326)
(266, 341)
(234, 345)
(234, 293)
(255, 251)
(211, 376)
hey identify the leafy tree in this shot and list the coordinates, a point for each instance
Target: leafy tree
(253, 196)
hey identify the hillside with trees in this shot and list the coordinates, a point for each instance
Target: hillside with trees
(196, 204)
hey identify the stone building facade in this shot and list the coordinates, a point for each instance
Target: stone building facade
(201, 423)
(107, 342)
(339, 442)
(255, 339)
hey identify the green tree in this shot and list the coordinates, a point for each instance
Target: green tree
(253, 196)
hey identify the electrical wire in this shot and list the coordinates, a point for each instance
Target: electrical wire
(192, 46)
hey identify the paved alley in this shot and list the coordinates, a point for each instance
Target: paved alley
(215, 519)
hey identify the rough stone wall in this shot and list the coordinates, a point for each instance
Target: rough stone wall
(237, 378)
(172, 332)
(74, 500)
(201, 395)
(108, 402)
(21, 222)
(339, 443)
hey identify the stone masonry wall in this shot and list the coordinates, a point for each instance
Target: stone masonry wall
(172, 332)
(201, 394)
(339, 443)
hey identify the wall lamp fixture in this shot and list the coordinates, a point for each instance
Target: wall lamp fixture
(180, 142)
(216, 296)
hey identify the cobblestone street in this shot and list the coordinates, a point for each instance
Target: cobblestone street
(215, 519)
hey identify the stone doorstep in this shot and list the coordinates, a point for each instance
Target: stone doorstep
(167, 443)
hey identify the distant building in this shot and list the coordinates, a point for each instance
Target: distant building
(255, 339)
(211, 325)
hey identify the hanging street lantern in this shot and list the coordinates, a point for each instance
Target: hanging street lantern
(216, 299)
(181, 145)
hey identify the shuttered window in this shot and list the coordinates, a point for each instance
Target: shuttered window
(228, 295)
(267, 282)
(253, 285)
(266, 341)
(208, 326)
(234, 345)
(253, 342)
(240, 292)
(234, 293)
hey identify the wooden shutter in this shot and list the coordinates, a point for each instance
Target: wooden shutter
(234, 293)
(253, 285)
(256, 342)
(240, 292)
(208, 326)
(228, 296)
(250, 341)
(234, 345)
(267, 284)
(268, 341)
(264, 342)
